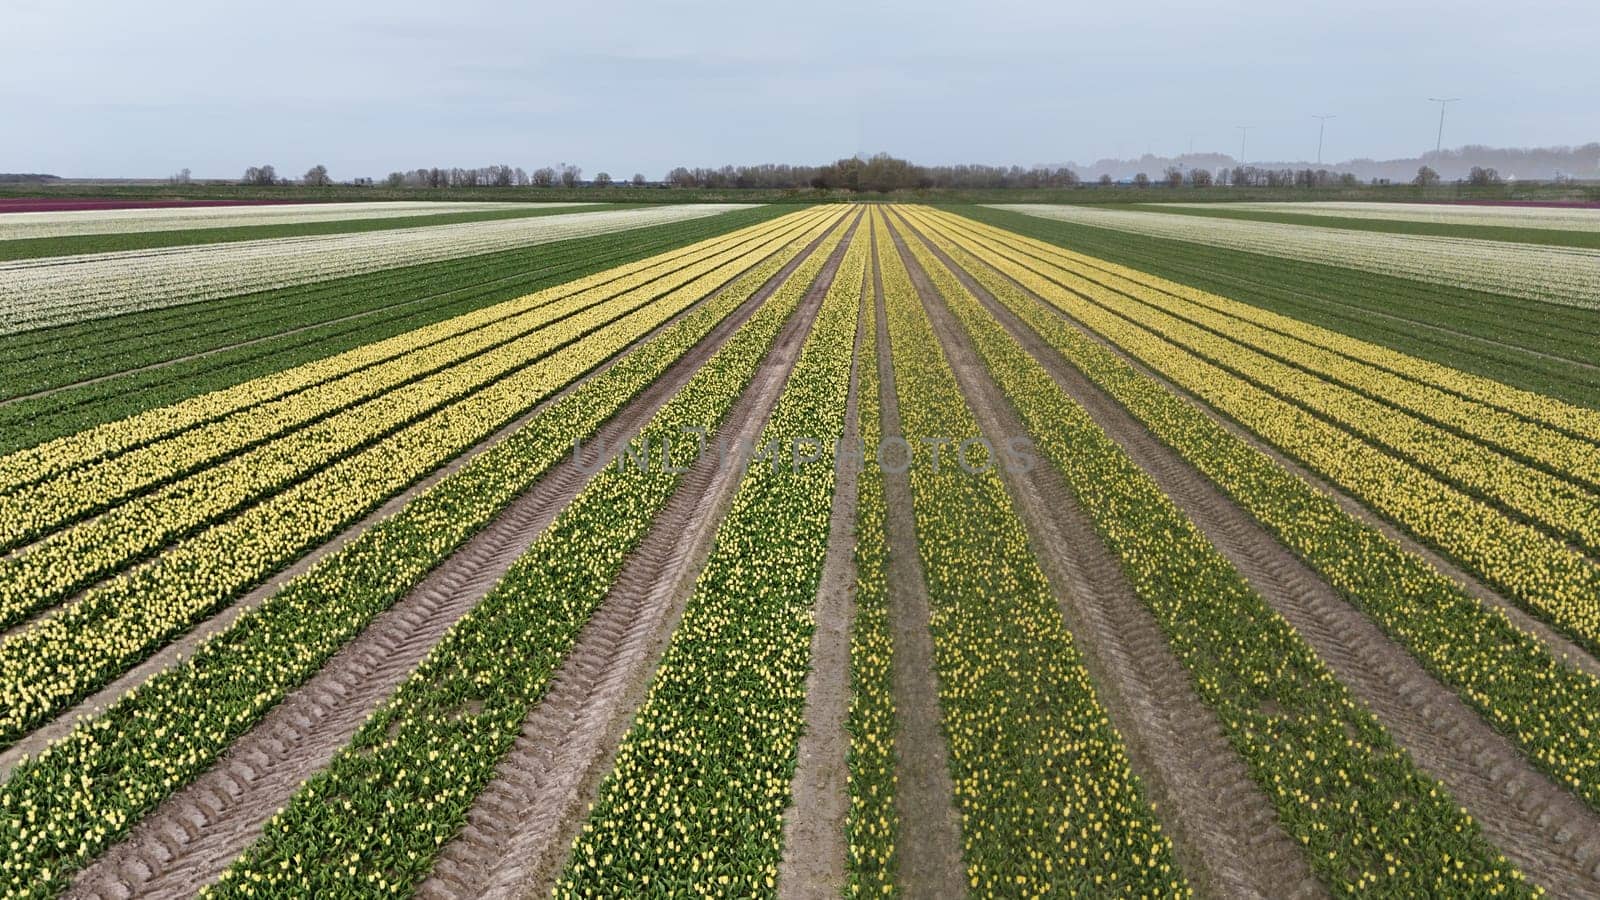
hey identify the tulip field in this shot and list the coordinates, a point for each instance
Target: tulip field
(877, 549)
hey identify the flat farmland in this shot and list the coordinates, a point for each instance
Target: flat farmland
(595, 550)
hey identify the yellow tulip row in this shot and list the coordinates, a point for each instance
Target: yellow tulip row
(1549, 708)
(56, 660)
(74, 451)
(1566, 509)
(403, 786)
(1523, 422)
(1536, 569)
(1048, 801)
(156, 739)
(70, 559)
(1282, 709)
(873, 822)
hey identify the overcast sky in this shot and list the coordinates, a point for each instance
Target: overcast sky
(113, 88)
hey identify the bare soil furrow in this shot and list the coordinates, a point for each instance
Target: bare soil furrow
(182, 845)
(1223, 826)
(929, 840)
(814, 851)
(519, 830)
(1541, 827)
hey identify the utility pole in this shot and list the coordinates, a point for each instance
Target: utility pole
(1443, 102)
(1244, 132)
(1320, 129)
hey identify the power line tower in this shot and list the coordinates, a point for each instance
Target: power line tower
(1444, 103)
(1321, 127)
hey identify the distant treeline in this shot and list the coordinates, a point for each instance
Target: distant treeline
(885, 174)
(26, 178)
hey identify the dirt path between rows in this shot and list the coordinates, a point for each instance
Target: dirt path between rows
(185, 646)
(1225, 829)
(521, 827)
(814, 851)
(929, 839)
(1552, 836)
(191, 837)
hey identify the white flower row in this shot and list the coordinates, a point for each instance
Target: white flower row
(1565, 275)
(37, 293)
(68, 223)
(1549, 218)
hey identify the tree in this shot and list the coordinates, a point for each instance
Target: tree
(317, 176)
(638, 179)
(1199, 178)
(1481, 177)
(261, 175)
(1105, 180)
(603, 179)
(570, 175)
(180, 177)
(395, 179)
(544, 176)
(1425, 176)
(1173, 176)
(1141, 180)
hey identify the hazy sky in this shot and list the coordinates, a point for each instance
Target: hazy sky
(113, 88)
